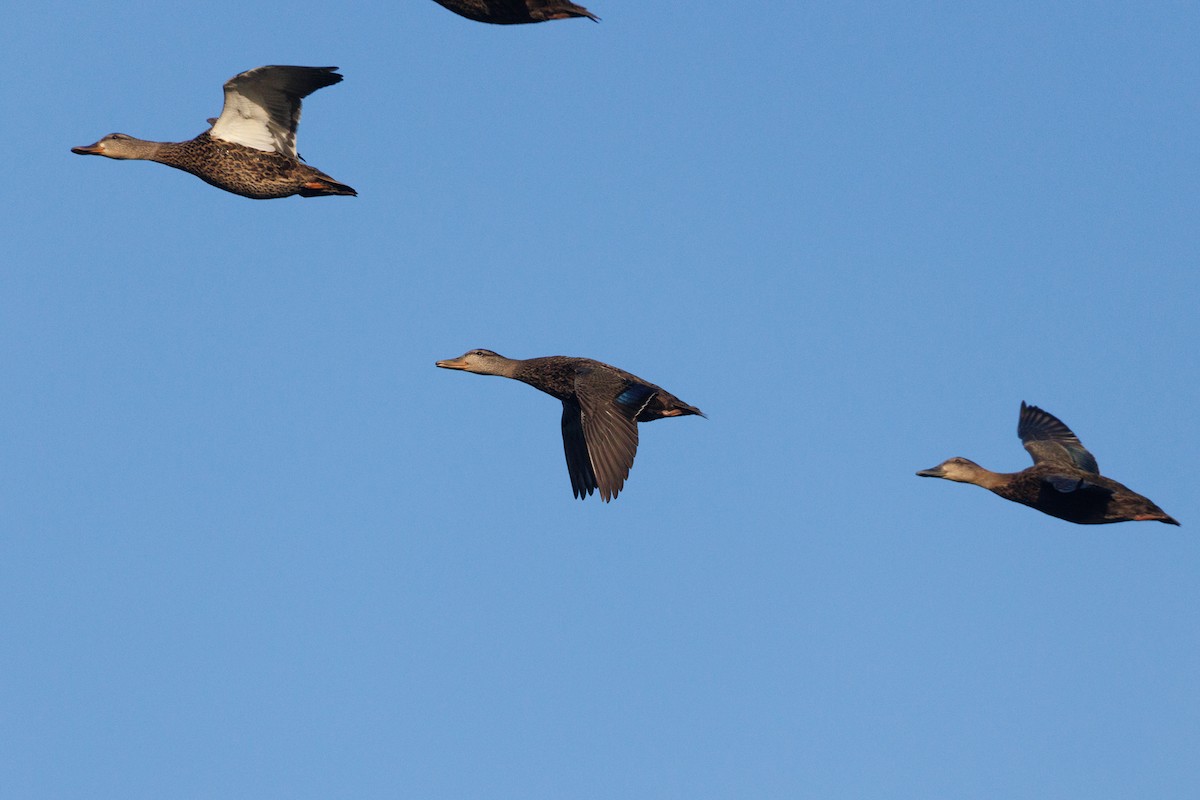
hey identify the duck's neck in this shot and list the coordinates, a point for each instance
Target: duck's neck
(511, 368)
(988, 479)
(142, 150)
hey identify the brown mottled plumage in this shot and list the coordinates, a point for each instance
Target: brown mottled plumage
(251, 148)
(601, 408)
(516, 12)
(1064, 481)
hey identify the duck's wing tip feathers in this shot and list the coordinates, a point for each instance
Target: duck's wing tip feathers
(1048, 439)
(262, 105)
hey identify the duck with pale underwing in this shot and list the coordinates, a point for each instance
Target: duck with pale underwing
(1064, 481)
(250, 149)
(516, 12)
(601, 408)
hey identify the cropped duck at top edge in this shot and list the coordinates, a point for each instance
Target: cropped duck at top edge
(1064, 481)
(516, 12)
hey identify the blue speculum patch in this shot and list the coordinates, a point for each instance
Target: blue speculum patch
(635, 397)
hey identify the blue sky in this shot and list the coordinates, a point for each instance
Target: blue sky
(256, 545)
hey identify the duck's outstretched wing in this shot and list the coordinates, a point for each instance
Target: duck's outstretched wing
(608, 409)
(1049, 441)
(579, 463)
(262, 106)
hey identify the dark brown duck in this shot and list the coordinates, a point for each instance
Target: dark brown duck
(516, 12)
(1064, 481)
(601, 408)
(251, 148)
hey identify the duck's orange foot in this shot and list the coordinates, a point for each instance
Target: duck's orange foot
(1155, 518)
(318, 187)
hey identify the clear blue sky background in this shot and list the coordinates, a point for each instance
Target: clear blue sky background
(255, 545)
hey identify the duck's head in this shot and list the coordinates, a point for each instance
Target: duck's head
(962, 470)
(115, 145)
(482, 362)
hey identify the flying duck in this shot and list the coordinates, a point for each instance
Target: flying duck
(251, 148)
(516, 12)
(601, 408)
(1064, 481)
